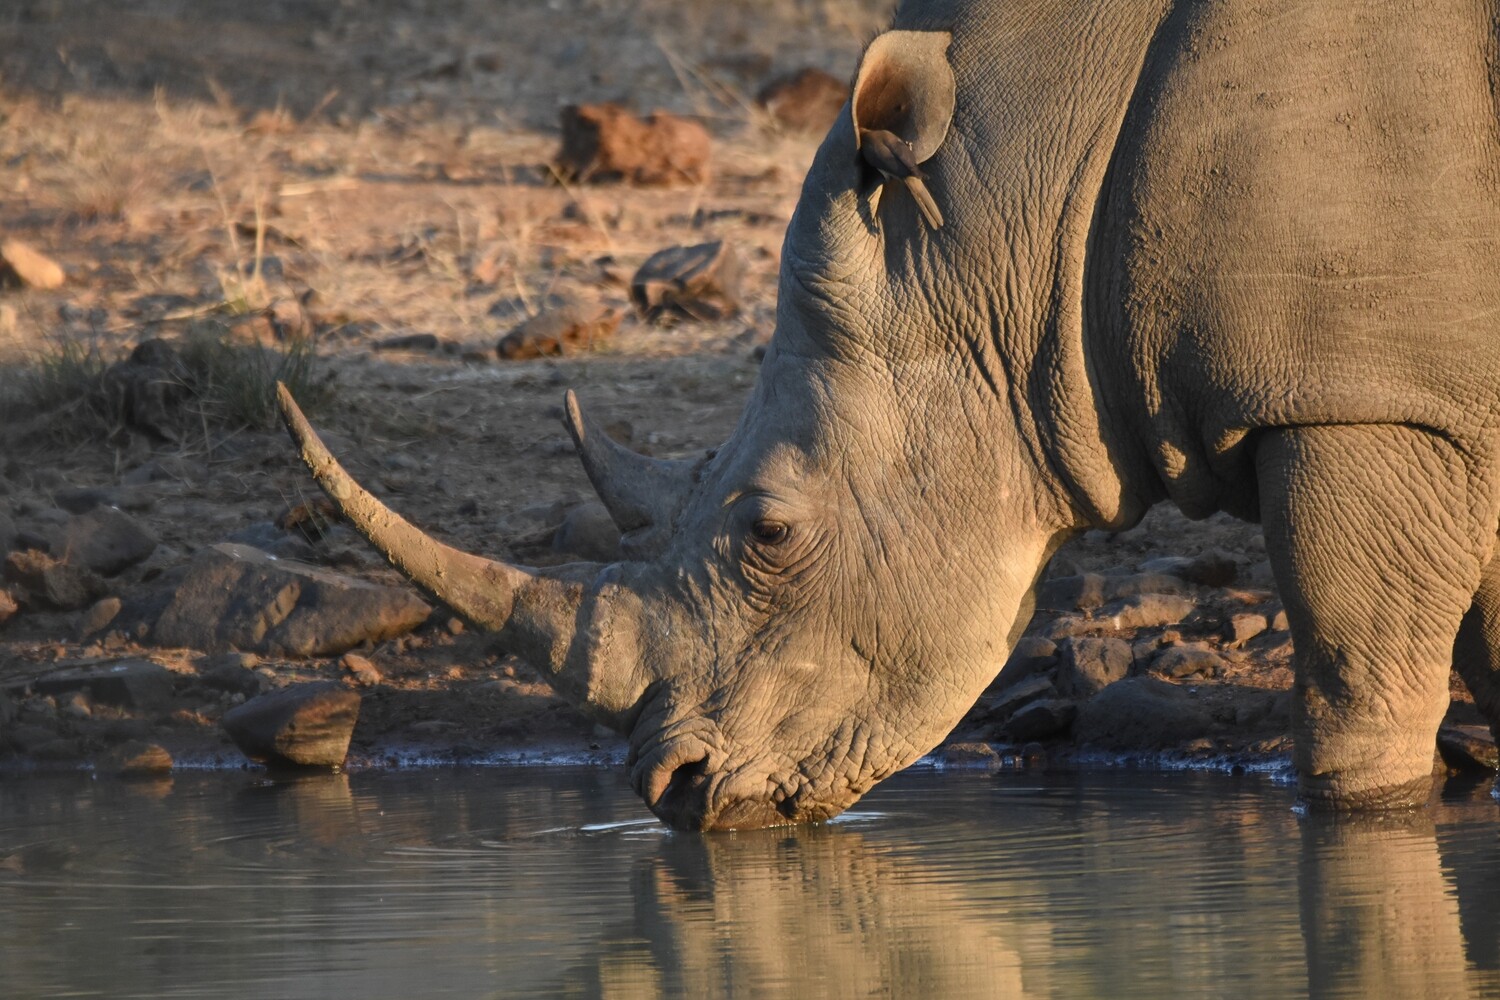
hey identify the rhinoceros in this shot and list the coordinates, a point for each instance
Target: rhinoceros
(1242, 257)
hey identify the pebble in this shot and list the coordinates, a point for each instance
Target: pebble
(29, 266)
(1241, 628)
(361, 669)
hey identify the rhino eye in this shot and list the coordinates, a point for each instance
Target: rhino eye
(769, 532)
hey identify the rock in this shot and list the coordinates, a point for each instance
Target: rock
(410, 342)
(555, 332)
(21, 265)
(1141, 713)
(1045, 719)
(1032, 655)
(306, 724)
(8, 606)
(288, 320)
(1005, 704)
(105, 540)
(312, 518)
(83, 499)
(606, 142)
(1135, 584)
(1069, 593)
(135, 759)
(74, 705)
(1212, 568)
(149, 388)
(7, 709)
(7, 533)
(1279, 622)
(275, 541)
(1468, 749)
(970, 755)
(1190, 659)
(1146, 611)
(361, 669)
(50, 583)
(137, 684)
(588, 532)
(1087, 665)
(1242, 628)
(232, 672)
(699, 282)
(808, 100)
(236, 597)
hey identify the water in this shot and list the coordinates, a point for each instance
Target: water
(501, 882)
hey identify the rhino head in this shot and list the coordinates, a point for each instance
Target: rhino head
(816, 603)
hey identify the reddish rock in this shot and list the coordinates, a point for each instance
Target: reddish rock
(22, 265)
(50, 583)
(970, 755)
(307, 725)
(361, 669)
(136, 759)
(606, 142)
(8, 605)
(698, 282)
(1244, 627)
(808, 100)
(555, 332)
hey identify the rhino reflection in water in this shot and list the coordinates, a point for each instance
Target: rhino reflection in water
(1242, 257)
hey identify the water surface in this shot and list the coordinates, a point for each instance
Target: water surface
(501, 882)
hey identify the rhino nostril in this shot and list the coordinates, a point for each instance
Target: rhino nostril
(687, 780)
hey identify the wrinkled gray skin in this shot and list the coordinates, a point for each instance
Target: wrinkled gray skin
(1239, 256)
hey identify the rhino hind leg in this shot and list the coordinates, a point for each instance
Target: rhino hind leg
(1476, 654)
(1370, 536)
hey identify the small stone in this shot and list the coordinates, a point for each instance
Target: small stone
(808, 100)
(288, 320)
(1087, 665)
(22, 265)
(232, 672)
(428, 342)
(8, 605)
(1145, 611)
(1279, 622)
(1469, 749)
(557, 332)
(74, 705)
(1032, 654)
(136, 759)
(99, 615)
(1068, 593)
(455, 626)
(1212, 568)
(1190, 659)
(700, 282)
(361, 669)
(980, 755)
(606, 142)
(307, 724)
(1241, 628)
(588, 532)
(1046, 719)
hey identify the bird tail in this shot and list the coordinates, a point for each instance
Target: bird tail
(925, 204)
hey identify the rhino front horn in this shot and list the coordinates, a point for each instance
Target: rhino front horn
(536, 613)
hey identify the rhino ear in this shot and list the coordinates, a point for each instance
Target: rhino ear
(905, 85)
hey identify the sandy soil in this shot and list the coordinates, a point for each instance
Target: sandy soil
(385, 165)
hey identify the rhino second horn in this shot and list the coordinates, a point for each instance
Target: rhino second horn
(639, 491)
(481, 590)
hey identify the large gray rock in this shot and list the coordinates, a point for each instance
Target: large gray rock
(1045, 719)
(589, 533)
(1141, 713)
(1087, 665)
(1146, 611)
(1189, 659)
(306, 724)
(1032, 655)
(127, 683)
(105, 540)
(236, 597)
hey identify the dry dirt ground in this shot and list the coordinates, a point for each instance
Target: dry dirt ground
(380, 169)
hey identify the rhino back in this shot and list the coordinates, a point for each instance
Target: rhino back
(1301, 226)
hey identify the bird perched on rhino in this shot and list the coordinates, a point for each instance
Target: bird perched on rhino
(894, 157)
